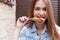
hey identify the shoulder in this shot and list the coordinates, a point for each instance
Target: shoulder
(58, 29)
(25, 29)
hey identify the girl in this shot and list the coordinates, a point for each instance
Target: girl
(42, 29)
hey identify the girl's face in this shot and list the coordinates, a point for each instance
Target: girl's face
(40, 11)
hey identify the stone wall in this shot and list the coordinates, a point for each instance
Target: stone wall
(7, 21)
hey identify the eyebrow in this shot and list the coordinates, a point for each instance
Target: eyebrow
(39, 7)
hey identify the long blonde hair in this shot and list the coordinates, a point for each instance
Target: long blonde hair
(50, 22)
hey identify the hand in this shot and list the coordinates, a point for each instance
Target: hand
(22, 21)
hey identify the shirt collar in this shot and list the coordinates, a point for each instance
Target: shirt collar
(44, 30)
(33, 29)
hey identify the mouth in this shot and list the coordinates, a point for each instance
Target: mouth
(44, 17)
(39, 19)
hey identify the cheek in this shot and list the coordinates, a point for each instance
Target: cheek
(35, 13)
(46, 15)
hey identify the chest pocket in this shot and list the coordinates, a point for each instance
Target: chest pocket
(29, 36)
(32, 36)
(46, 37)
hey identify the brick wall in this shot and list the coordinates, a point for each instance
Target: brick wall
(59, 12)
(22, 7)
(55, 8)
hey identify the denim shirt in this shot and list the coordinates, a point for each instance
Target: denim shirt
(28, 33)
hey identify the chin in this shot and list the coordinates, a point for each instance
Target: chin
(39, 23)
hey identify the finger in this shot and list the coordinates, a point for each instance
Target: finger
(21, 19)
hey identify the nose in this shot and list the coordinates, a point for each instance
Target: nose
(41, 13)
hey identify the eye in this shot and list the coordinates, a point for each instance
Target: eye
(37, 8)
(44, 8)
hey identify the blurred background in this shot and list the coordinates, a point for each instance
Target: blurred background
(9, 15)
(7, 18)
(22, 8)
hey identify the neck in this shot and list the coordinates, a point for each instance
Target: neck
(40, 27)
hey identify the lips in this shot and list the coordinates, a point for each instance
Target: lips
(41, 19)
(38, 16)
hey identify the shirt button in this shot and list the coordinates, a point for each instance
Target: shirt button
(36, 38)
(41, 38)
